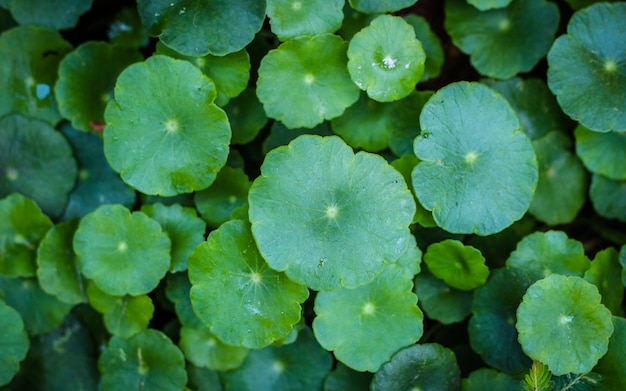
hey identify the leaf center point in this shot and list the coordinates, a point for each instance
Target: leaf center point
(332, 211)
(122, 246)
(369, 309)
(610, 66)
(309, 79)
(504, 25)
(12, 174)
(171, 125)
(471, 157)
(389, 62)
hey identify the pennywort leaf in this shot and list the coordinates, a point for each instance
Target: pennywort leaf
(461, 267)
(14, 342)
(122, 253)
(292, 18)
(336, 219)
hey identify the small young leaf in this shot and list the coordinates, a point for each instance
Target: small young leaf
(461, 267)
(560, 313)
(164, 135)
(385, 59)
(538, 379)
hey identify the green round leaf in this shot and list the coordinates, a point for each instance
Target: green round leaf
(536, 107)
(246, 116)
(405, 127)
(602, 153)
(505, 41)
(301, 365)
(235, 294)
(184, 228)
(492, 327)
(605, 273)
(164, 135)
(64, 359)
(230, 73)
(204, 350)
(122, 253)
(229, 192)
(326, 216)
(484, 5)
(343, 378)
(439, 301)
(55, 14)
(292, 18)
(197, 27)
(14, 342)
(97, 183)
(560, 313)
(385, 59)
(461, 267)
(86, 80)
(419, 367)
(366, 325)
(30, 71)
(40, 312)
(612, 365)
(304, 81)
(22, 227)
(57, 270)
(543, 253)
(124, 316)
(431, 45)
(203, 379)
(37, 161)
(585, 68)
(366, 124)
(411, 260)
(608, 197)
(146, 361)
(562, 186)
(472, 149)
(490, 379)
(380, 6)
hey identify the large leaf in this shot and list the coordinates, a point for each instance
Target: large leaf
(236, 295)
(472, 149)
(326, 216)
(199, 27)
(586, 67)
(165, 136)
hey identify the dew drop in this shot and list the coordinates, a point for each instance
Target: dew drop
(389, 62)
